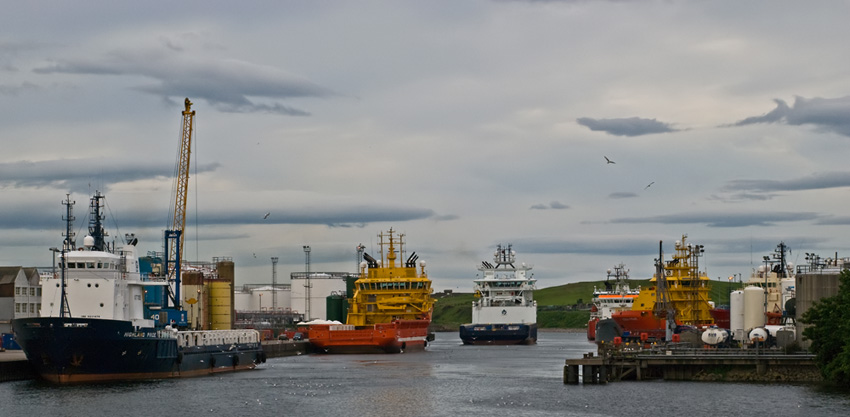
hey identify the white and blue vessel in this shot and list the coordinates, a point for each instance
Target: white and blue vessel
(98, 323)
(505, 312)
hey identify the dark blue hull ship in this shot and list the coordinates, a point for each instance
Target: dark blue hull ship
(74, 350)
(498, 334)
(97, 324)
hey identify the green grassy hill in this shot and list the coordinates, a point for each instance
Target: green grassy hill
(563, 306)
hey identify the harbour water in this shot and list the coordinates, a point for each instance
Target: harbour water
(448, 379)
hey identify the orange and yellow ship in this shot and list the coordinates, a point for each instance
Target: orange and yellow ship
(390, 310)
(680, 297)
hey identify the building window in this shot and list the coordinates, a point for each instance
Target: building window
(32, 291)
(32, 308)
(17, 290)
(17, 307)
(38, 292)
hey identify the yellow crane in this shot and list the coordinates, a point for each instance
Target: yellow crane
(181, 185)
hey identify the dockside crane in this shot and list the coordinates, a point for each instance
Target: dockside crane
(174, 234)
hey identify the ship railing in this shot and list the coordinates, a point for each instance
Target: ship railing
(679, 352)
(217, 337)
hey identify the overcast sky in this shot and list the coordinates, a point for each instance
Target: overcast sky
(461, 124)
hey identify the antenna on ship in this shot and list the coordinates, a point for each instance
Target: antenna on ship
(96, 218)
(68, 244)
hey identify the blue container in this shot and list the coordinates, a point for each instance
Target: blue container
(9, 342)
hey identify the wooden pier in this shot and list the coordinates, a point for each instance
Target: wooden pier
(763, 365)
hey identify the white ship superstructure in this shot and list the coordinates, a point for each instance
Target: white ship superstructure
(505, 312)
(506, 291)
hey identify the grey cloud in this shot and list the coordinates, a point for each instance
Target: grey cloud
(615, 246)
(760, 189)
(77, 175)
(225, 84)
(622, 195)
(633, 126)
(336, 217)
(724, 219)
(14, 90)
(829, 114)
(555, 205)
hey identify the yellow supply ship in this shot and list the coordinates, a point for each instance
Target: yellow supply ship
(680, 297)
(390, 310)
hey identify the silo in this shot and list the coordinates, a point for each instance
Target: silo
(221, 307)
(736, 315)
(753, 307)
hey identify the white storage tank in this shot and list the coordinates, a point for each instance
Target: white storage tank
(753, 307)
(759, 334)
(736, 315)
(714, 336)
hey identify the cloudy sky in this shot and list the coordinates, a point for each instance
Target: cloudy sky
(461, 124)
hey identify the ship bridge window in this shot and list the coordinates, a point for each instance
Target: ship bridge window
(90, 265)
(70, 265)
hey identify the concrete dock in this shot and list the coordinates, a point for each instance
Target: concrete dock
(757, 365)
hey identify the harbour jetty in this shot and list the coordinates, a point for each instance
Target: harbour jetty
(671, 362)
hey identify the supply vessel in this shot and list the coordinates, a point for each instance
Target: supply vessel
(505, 312)
(390, 310)
(97, 322)
(616, 296)
(676, 300)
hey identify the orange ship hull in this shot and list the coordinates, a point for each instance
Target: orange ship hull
(394, 337)
(635, 322)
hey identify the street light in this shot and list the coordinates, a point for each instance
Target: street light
(307, 285)
(274, 283)
(55, 251)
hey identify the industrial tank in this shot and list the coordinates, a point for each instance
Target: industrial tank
(736, 315)
(759, 334)
(221, 308)
(753, 307)
(714, 336)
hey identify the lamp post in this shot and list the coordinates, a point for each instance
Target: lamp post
(307, 285)
(261, 301)
(274, 283)
(55, 251)
(731, 278)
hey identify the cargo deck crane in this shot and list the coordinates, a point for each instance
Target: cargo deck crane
(174, 234)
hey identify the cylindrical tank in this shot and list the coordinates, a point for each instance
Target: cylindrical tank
(714, 336)
(349, 285)
(335, 307)
(759, 334)
(220, 305)
(736, 315)
(753, 307)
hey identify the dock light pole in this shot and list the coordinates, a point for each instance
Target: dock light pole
(55, 251)
(307, 285)
(274, 283)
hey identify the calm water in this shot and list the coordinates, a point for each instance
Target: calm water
(449, 379)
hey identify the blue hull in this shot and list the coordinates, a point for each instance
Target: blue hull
(499, 334)
(72, 350)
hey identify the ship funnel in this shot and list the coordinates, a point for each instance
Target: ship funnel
(373, 263)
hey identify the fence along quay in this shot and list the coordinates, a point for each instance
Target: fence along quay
(672, 362)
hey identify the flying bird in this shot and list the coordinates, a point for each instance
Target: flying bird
(608, 160)
(267, 216)
(649, 185)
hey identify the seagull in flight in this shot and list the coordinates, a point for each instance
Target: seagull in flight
(267, 216)
(649, 185)
(608, 160)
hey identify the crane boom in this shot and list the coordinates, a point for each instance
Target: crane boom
(178, 223)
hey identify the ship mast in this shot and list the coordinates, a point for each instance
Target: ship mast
(68, 245)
